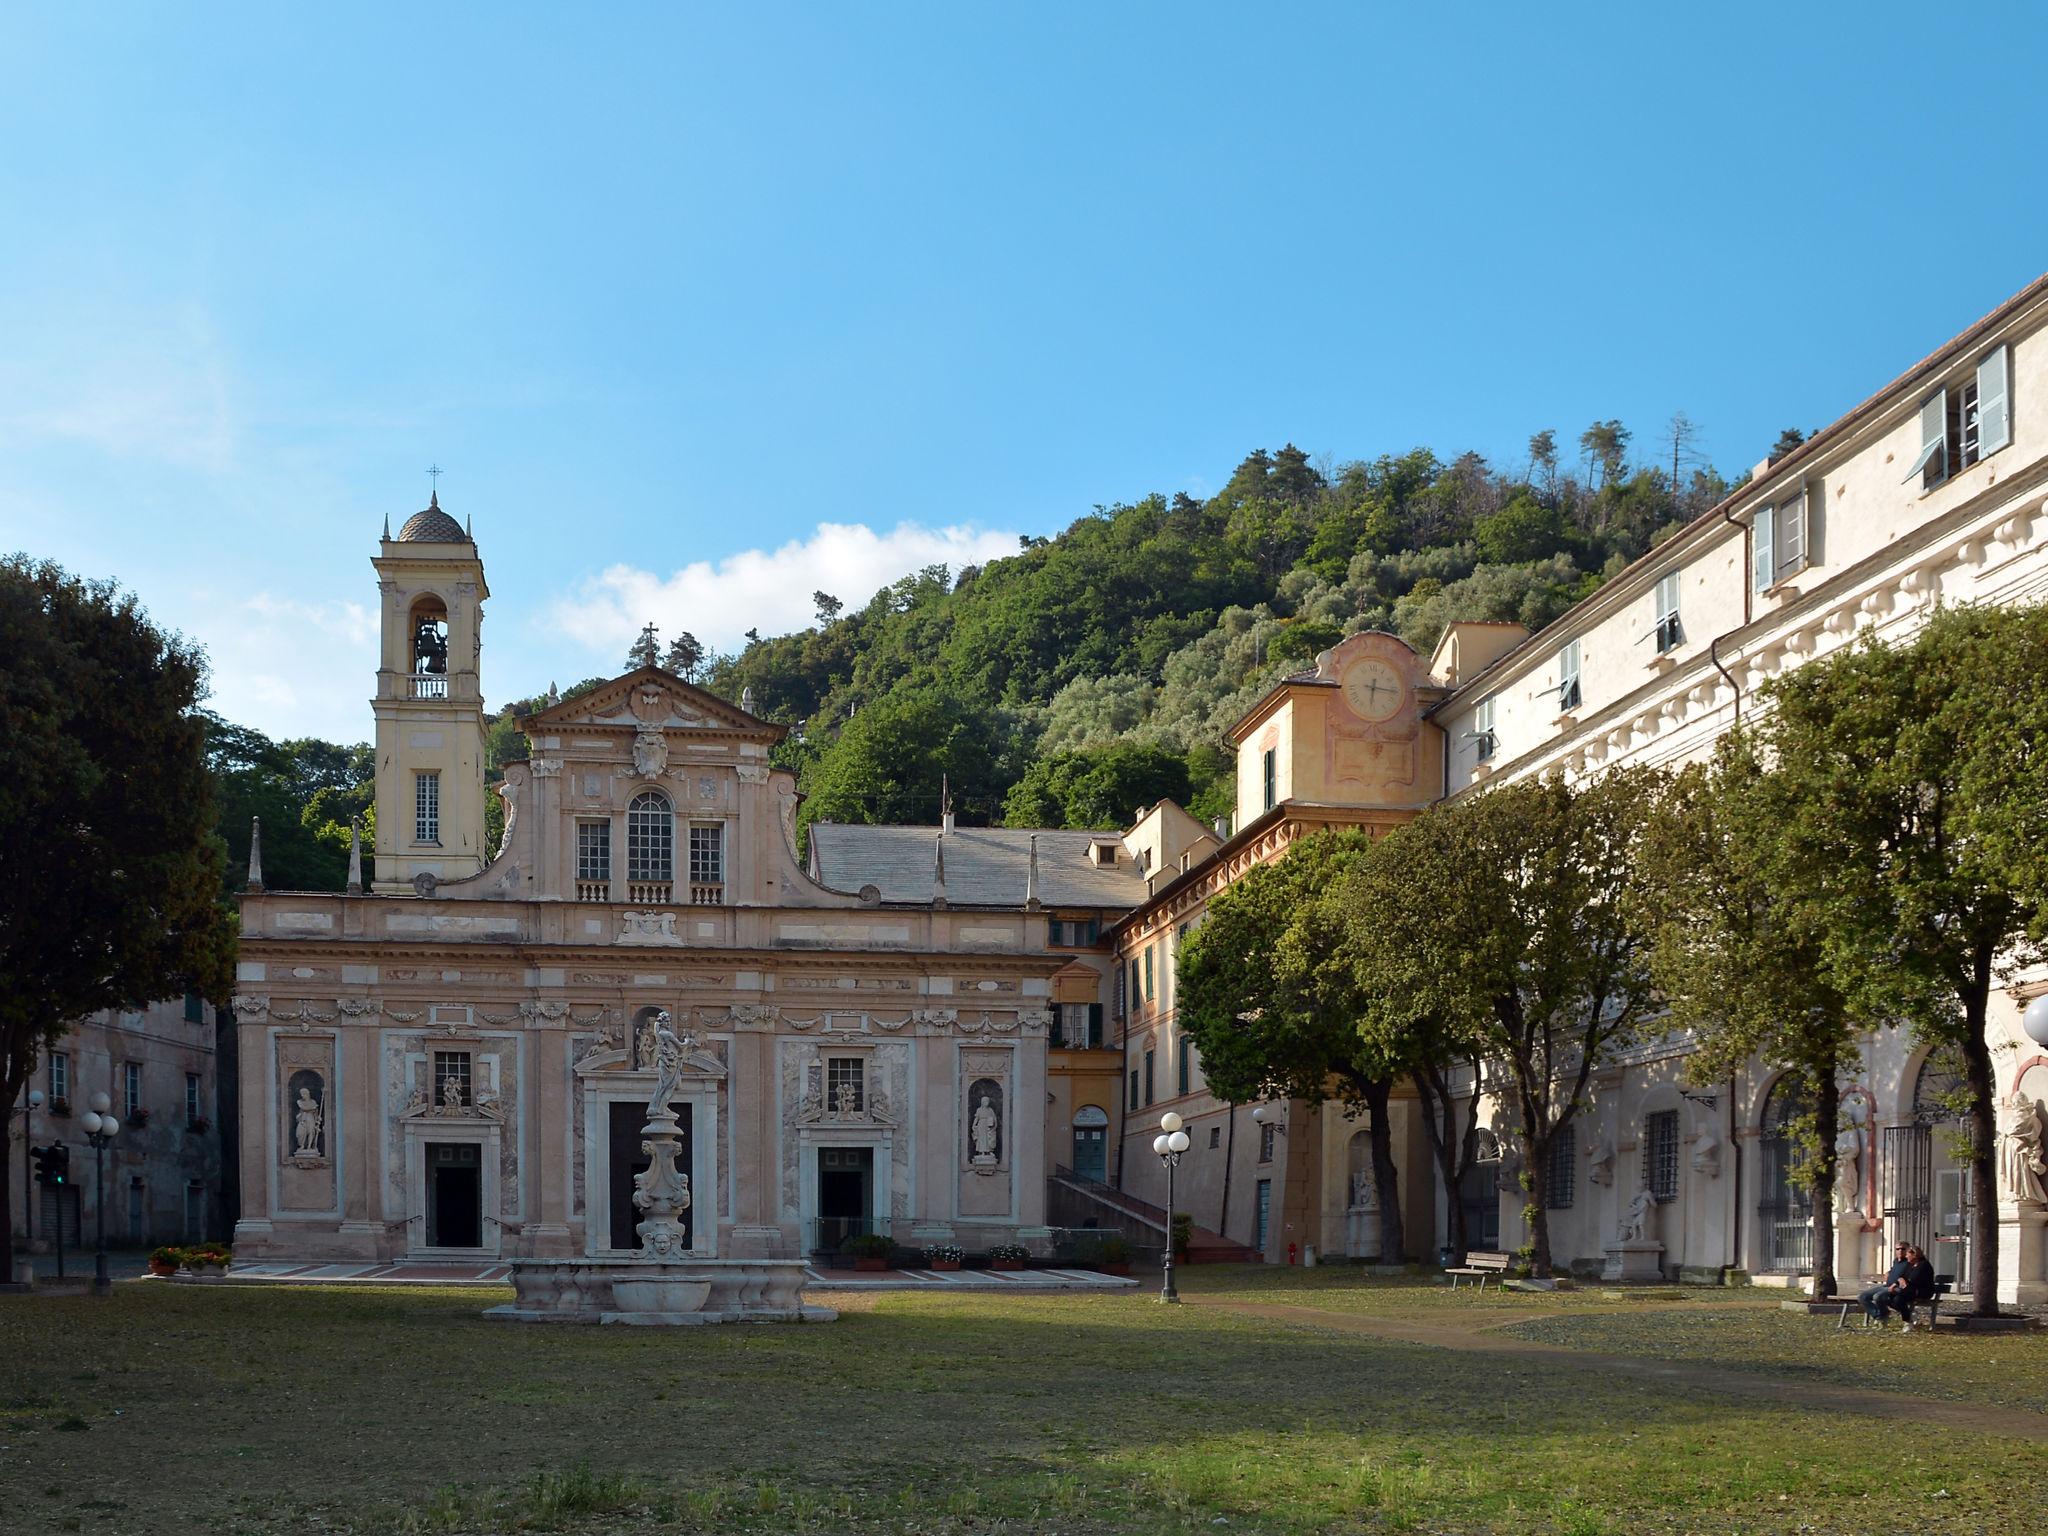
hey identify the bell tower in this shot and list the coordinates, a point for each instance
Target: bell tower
(429, 707)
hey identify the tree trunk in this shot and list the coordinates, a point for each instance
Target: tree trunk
(1537, 1150)
(1983, 1140)
(1439, 1118)
(1386, 1178)
(1827, 1114)
(7, 1206)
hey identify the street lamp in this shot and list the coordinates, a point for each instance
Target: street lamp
(100, 1129)
(1169, 1144)
(32, 1102)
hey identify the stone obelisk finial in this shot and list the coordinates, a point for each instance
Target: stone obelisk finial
(355, 856)
(255, 853)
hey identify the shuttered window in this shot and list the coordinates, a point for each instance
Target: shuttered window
(1965, 421)
(1670, 633)
(1482, 730)
(1568, 694)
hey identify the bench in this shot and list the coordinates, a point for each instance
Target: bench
(1944, 1285)
(1478, 1266)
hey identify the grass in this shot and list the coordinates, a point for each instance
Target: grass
(269, 1412)
(1339, 1288)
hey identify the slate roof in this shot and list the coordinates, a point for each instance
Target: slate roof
(985, 866)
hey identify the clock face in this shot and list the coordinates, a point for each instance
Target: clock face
(1372, 689)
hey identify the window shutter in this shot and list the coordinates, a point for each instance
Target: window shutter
(1994, 406)
(1764, 565)
(1792, 534)
(1095, 1024)
(1932, 465)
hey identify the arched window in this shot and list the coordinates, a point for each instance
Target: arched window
(1787, 1206)
(1479, 1192)
(1941, 1094)
(650, 839)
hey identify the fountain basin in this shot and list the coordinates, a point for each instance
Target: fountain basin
(679, 1293)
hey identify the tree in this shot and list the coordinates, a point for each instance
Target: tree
(1738, 957)
(1605, 446)
(645, 651)
(1537, 942)
(104, 796)
(684, 655)
(888, 761)
(1096, 788)
(1908, 783)
(1683, 434)
(1389, 918)
(828, 607)
(1788, 440)
(1543, 460)
(1265, 991)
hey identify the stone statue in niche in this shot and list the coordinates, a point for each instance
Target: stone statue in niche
(985, 1123)
(2022, 1154)
(1639, 1221)
(1600, 1160)
(1849, 1168)
(306, 1124)
(1706, 1150)
(306, 1114)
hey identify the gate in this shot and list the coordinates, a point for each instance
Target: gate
(1907, 1183)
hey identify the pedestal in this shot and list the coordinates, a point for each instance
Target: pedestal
(2022, 1254)
(1635, 1260)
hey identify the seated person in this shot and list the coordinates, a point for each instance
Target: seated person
(1877, 1298)
(1919, 1285)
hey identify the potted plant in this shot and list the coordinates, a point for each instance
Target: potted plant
(209, 1261)
(1008, 1256)
(1183, 1234)
(869, 1251)
(942, 1256)
(199, 1126)
(138, 1117)
(164, 1261)
(1116, 1256)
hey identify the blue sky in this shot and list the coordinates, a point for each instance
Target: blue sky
(703, 308)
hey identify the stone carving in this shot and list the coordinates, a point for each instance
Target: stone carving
(1600, 1160)
(358, 1007)
(650, 751)
(1848, 1168)
(648, 928)
(1639, 1221)
(250, 1007)
(753, 773)
(1706, 1148)
(416, 1102)
(985, 1129)
(2022, 1153)
(1507, 1174)
(424, 882)
(544, 768)
(402, 1018)
(753, 1015)
(985, 1124)
(451, 1092)
(1365, 1195)
(306, 1124)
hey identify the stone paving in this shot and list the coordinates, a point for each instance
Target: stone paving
(404, 1272)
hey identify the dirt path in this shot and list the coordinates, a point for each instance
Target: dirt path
(1487, 1339)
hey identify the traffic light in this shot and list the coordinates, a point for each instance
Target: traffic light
(53, 1163)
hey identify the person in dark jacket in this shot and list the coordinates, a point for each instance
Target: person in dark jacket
(1879, 1297)
(1919, 1285)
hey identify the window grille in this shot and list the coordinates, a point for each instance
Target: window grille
(707, 855)
(1563, 1171)
(452, 1067)
(650, 838)
(1266, 1143)
(846, 1085)
(594, 852)
(426, 807)
(1660, 1154)
(1215, 1137)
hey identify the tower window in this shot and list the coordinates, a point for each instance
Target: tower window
(426, 807)
(650, 838)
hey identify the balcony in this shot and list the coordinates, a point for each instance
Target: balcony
(593, 890)
(706, 895)
(650, 893)
(426, 685)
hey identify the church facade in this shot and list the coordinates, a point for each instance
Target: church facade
(456, 1062)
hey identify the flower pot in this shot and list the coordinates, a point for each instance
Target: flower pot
(1117, 1269)
(943, 1264)
(871, 1266)
(161, 1269)
(1005, 1263)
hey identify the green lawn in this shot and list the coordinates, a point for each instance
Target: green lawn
(226, 1409)
(1339, 1288)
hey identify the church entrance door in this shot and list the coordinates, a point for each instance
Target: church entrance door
(628, 1162)
(455, 1195)
(846, 1181)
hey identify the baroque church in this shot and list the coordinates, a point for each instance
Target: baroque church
(455, 1062)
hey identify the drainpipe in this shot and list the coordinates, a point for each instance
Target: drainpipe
(1748, 598)
(1229, 1153)
(1735, 1145)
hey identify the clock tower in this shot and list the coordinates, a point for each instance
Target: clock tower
(429, 705)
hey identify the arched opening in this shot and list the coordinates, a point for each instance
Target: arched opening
(1786, 1211)
(650, 847)
(1939, 1147)
(1362, 1205)
(1091, 1143)
(1479, 1193)
(427, 666)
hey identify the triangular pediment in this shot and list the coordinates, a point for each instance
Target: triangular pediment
(649, 698)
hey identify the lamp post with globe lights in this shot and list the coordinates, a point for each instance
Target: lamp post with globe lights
(1169, 1144)
(100, 1129)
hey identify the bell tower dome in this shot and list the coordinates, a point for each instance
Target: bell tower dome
(429, 707)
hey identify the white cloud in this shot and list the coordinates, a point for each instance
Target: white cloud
(768, 590)
(292, 668)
